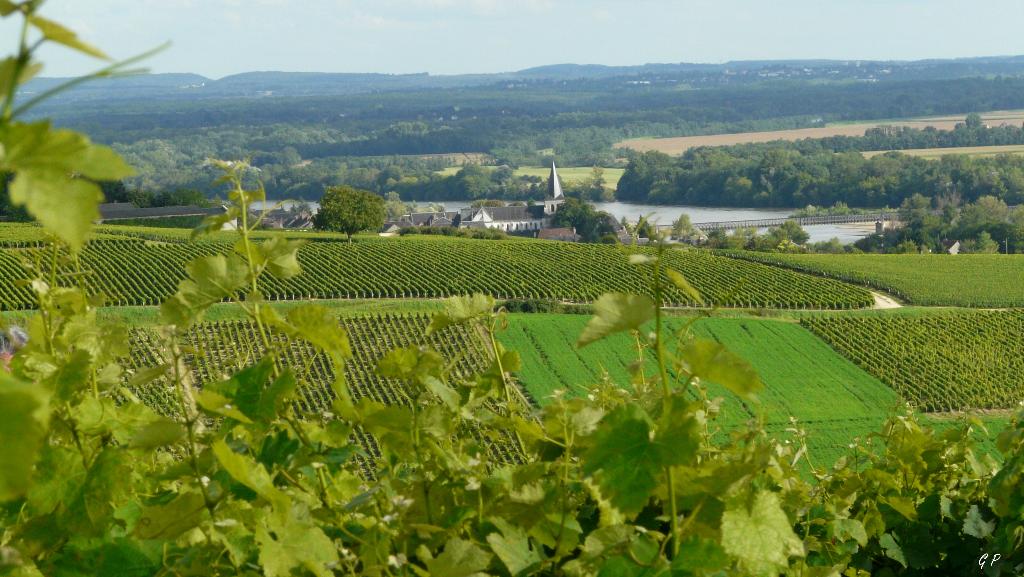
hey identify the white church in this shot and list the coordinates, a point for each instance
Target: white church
(517, 218)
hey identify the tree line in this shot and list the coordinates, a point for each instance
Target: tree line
(781, 176)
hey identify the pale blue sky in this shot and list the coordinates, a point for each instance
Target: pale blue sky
(221, 37)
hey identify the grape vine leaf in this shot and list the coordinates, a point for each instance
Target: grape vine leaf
(24, 417)
(460, 309)
(250, 474)
(460, 559)
(976, 526)
(684, 285)
(512, 546)
(58, 33)
(711, 361)
(616, 312)
(169, 520)
(757, 532)
(626, 459)
(290, 543)
(54, 173)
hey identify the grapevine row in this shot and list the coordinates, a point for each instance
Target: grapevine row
(947, 361)
(146, 273)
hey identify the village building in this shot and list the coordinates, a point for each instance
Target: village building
(300, 219)
(518, 219)
(115, 211)
(562, 234)
(521, 219)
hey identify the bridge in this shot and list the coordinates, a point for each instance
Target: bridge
(802, 221)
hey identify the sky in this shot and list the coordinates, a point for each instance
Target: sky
(217, 38)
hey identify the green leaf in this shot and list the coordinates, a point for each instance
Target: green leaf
(902, 505)
(216, 403)
(316, 325)
(711, 361)
(697, 554)
(846, 529)
(459, 559)
(24, 417)
(684, 285)
(247, 392)
(892, 549)
(64, 206)
(168, 521)
(211, 280)
(758, 533)
(976, 526)
(458, 310)
(281, 256)
(513, 547)
(294, 544)
(250, 474)
(627, 460)
(159, 432)
(61, 35)
(616, 312)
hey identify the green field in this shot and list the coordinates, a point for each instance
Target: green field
(933, 153)
(969, 280)
(567, 174)
(830, 396)
(141, 272)
(948, 360)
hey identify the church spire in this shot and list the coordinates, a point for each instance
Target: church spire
(554, 185)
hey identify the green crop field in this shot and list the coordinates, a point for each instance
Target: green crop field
(948, 360)
(138, 272)
(970, 280)
(567, 174)
(804, 378)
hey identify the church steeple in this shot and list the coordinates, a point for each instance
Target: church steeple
(554, 185)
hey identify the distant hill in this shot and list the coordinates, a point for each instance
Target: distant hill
(270, 83)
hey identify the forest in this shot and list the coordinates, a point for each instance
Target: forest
(783, 176)
(378, 140)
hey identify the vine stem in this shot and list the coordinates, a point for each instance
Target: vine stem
(660, 354)
(19, 66)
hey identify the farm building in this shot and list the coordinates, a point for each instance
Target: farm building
(112, 211)
(563, 234)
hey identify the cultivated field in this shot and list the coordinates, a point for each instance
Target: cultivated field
(966, 150)
(969, 280)
(140, 272)
(943, 361)
(680, 144)
(567, 174)
(804, 378)
(223, 348)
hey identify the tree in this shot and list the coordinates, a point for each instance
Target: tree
(985, 244)
(683, 229)
(395, 207)
(348, 210)
(590, 224)
(791, 231)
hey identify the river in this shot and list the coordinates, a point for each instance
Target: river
(667, 214)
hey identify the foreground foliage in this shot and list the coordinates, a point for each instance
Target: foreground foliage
(241, 482)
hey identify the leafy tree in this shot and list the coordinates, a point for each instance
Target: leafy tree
(590, 224)
(345, 209)
(683, 228)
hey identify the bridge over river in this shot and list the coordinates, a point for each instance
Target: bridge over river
(802, 221)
